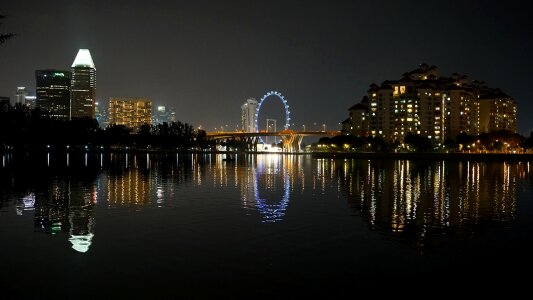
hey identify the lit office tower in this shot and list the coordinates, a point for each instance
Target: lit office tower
(248, 117)
(83, 87)
(130, 112)
(53, 93)
(20, 96)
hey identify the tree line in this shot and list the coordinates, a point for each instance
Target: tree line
(496, 141)
(22, 128)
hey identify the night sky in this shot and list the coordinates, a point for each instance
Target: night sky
(206, 57)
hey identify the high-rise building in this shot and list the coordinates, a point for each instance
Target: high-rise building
(83, 86)
(357, 122)
(101, 114)
(131, 112)
(164, 114)
(248, 115)
(497, 111)
(20, 96)
(53, 93)
(30, 101)
(434, 107)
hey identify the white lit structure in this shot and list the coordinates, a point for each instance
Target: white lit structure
(164, 114)
(83, 86)
(20, 96)
(248, 116)
(30, 101)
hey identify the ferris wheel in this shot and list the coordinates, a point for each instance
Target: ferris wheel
(279, 96)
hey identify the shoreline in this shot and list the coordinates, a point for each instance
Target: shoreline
(427, 155)
(316, 155)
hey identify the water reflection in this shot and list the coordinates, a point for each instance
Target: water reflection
(26, 203)
(264, 181)
(420, 200)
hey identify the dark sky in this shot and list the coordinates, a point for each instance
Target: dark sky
(206, 57)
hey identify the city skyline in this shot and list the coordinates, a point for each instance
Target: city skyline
(217, 55)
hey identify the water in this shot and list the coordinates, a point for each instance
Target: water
(262, 226)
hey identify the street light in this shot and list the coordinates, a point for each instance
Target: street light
(324, 127)
(303, 126)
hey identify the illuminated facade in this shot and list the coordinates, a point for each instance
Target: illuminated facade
(358, 122)
(248, 117)
(379, 114)
(83, 86)
(53, 93)
(434, 107)
(131, 112)
(497, 111)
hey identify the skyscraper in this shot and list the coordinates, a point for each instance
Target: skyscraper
(53, 93)
(248, 116)
(83, 87)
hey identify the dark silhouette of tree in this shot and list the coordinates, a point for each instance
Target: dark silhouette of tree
(528, 143)
(5, 36)
(419, 143)
(449, 144)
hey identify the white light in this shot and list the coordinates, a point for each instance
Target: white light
(81, 242)
(83, 59)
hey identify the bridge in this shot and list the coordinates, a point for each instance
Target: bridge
(291, 140)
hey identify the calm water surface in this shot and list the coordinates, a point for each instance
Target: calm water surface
(193, 225)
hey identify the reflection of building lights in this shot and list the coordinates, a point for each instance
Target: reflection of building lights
(159, 194)
(81, 243)
(28, 203)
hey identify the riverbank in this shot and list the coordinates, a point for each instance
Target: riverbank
(428, 156)
(318, 155)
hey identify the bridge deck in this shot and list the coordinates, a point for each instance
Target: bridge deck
(220, 135)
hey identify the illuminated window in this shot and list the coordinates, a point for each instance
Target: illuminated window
(402, 89)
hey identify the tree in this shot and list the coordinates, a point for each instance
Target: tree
(419, 143)
(5, 36)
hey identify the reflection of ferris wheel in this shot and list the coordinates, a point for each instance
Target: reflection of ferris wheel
(286, 106)
(276, 211)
